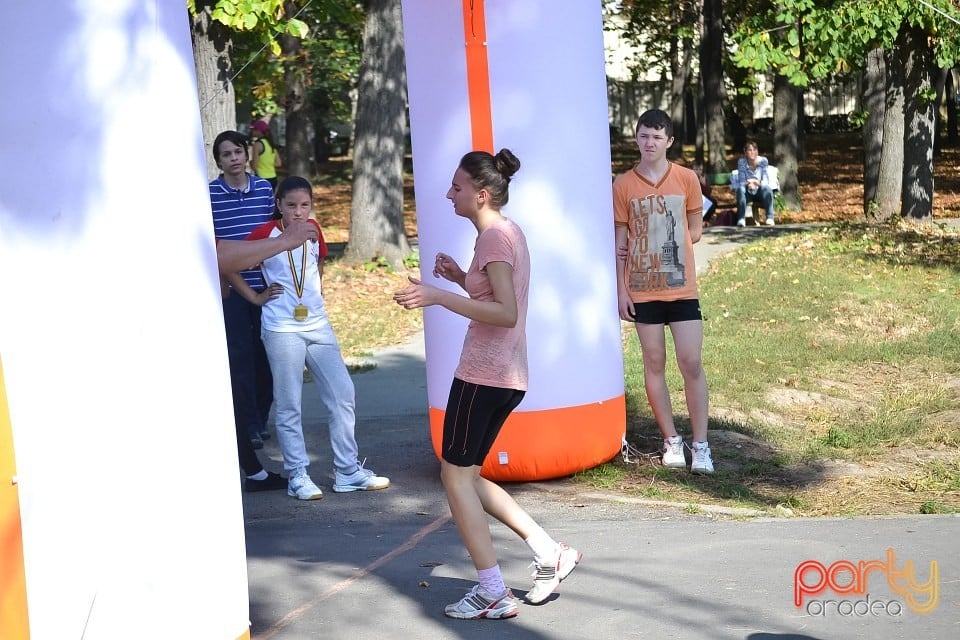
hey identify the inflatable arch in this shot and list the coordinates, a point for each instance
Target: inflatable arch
(529, 76)
(105, 224)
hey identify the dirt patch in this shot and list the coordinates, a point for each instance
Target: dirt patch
(872, 323)
(803, 401)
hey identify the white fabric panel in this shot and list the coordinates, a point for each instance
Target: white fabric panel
(111, 331)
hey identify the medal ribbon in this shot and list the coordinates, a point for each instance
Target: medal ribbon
(297, 282)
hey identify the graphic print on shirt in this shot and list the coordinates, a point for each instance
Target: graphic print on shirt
(655, 261)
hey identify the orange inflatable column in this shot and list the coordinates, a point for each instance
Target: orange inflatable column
(13, 579)
(529, 77)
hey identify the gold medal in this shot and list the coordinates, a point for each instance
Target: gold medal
(299, 313)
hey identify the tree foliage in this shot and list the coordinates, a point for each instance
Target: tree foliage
(268, 19)
(257, 26)
(329, 57)
(823, 38)
(655, 27)
(214, 24)
(296, 58)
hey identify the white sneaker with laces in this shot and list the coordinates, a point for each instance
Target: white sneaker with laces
(301, 487)
(770, 222)
(478, 604)
(702, 461)
(548, 576)
(672, 455)
(360, 480)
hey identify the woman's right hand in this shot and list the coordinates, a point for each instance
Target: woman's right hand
(416, 294)
(272, 291)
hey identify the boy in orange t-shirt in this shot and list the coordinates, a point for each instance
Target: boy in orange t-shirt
(658, 216)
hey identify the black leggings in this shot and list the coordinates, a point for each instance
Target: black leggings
(475, 413)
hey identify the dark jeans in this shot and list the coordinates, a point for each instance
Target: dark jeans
(250, 376)
(246, 454)
(763, 196)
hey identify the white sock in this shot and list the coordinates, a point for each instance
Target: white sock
(491, 581)
(543, 546)
(261, 475)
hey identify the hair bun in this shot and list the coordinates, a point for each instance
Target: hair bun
(506, 163)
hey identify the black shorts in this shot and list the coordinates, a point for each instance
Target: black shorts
(475, 413)
(666, 312)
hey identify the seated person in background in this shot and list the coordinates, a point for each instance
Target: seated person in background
(751, 183)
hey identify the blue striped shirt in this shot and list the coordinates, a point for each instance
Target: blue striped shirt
(237, 212)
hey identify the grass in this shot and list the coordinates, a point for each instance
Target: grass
(832, 358)
(361, 308)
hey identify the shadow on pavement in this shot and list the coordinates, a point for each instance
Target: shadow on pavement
(744, 235)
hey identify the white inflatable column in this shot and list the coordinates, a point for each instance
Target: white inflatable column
(528, 76)
(114, 361)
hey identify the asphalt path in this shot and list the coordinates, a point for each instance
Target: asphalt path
(382, 564)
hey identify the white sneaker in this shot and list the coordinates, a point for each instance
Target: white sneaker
(360, 480)
(301, 487)
(548, 576)
(702, 461)
(477, 604)
(672, 455)
(741, 222)
(770, 222)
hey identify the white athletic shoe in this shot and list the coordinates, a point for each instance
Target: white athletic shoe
(548, 576)
(672, 454)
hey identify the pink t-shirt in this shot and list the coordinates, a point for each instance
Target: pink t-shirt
(497, 356)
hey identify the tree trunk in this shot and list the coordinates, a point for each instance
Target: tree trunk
(677, 82)
(785, 100)
(297, 151)
(950, 89)
(939, 79)
(211, 57)
(918, 126)
(711, 77)
(801, 110)
(701, 128)
(681, 64)
(874, 87)
(376, 211)
(690, 116)
(741, 120)
(890, 177)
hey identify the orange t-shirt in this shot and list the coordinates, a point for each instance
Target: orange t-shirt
(660, 263)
